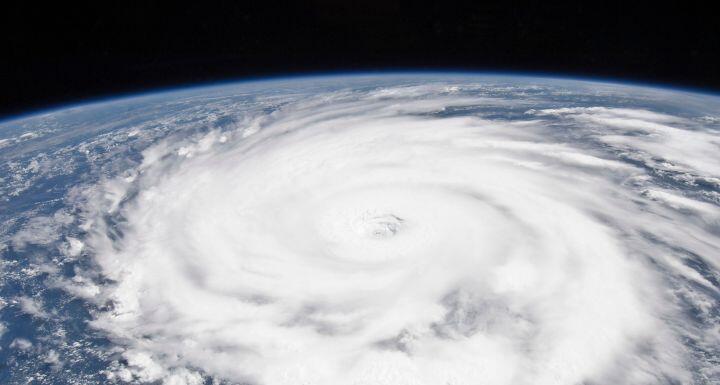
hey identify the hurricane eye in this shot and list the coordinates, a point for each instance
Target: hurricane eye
(380, 226)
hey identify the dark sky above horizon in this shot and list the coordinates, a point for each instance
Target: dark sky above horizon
(58, 55)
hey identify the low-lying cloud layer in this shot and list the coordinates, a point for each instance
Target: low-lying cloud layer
(388, 237)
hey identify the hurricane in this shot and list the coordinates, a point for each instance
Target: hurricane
(386, 230)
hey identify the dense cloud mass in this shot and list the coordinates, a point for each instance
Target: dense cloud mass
(438, 232)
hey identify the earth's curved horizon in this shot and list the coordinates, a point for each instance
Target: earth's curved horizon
(393, 228)
(101, 98)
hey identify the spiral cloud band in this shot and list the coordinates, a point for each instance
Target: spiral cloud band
(403, 235)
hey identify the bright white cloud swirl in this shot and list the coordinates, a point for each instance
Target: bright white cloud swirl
(365, 238)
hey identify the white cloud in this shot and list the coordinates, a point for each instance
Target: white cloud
(21, 344)
(685, 145)
(32, 306)
(41, 230)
